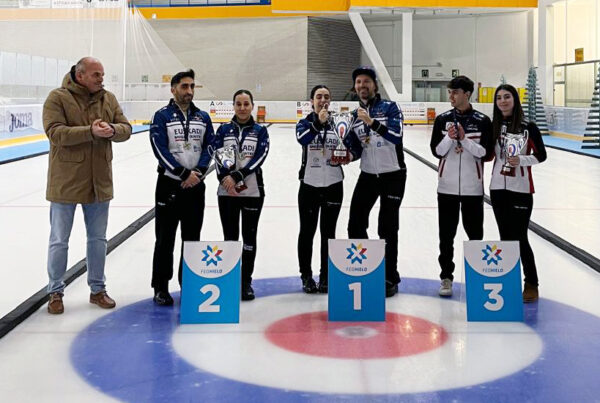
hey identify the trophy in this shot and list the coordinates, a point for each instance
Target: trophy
(225, 157)
(512, 144)
(342, 123)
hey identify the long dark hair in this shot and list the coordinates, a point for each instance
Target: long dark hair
(239, 92)
(516, 118)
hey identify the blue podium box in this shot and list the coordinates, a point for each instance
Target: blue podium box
(493, 281)
(356, 280)
(211, 283)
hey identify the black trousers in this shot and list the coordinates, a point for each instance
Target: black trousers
(174, 205)
(311, 201)
(389, 188)
(471, 209)
(230, 208)
(513, 211)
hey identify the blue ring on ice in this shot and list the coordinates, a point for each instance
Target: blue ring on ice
(115, 355)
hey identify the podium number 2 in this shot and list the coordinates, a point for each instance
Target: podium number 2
(207, 306)
(494, 295)
(356, 291)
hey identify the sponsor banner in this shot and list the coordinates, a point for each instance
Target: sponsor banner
(414, 112)
(567, 120)
(35, 3)
(88, 3)
(221, 110)
(20, 120)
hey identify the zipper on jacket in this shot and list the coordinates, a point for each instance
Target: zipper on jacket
(459, 172)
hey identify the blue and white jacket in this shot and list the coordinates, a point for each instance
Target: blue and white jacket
(318, 142)
(253, 147)
(180, 143)
(379, 146)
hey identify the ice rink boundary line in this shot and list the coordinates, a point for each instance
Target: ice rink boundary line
(577, 253)
(33, 303)
(572, 151)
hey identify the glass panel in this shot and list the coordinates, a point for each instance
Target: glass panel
(559, 74)
(580, 85)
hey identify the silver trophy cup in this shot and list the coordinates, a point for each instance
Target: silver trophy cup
(226, 157)
(512, 144)
(342, 123)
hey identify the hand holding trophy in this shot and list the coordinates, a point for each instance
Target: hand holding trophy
(512, 144)
(342, 123)
(225, 157)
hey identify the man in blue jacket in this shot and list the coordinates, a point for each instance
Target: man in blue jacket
(179, 135)
(376, 138)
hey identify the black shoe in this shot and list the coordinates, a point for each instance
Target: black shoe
(162, 298)
(247, 292)
(323, 286)
(308, 285)
(390, 289)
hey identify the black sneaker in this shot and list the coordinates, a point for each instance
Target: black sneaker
(308, 285)
(323, 286)
(247, 292)
(390, 289)
(162, 298)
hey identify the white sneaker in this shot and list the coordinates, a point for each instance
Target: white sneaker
(446, 288)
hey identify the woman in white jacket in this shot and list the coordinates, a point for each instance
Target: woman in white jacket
(512, 196)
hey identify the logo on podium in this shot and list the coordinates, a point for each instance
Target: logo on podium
(356, 280)
(493, 281)
(211, 282)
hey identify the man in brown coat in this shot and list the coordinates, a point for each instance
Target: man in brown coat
(81, 120)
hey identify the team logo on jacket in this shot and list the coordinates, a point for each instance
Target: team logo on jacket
(491, 254)
(212, 255)
(356, 253)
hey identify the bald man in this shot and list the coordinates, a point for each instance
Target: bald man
(81, 120)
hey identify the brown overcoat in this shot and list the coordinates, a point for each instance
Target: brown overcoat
(79, 163)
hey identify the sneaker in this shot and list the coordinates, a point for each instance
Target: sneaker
(390, 289)
(308, 285)
(55, 304)
(530, 293)
(446, 288)
(162, 298)
(247, 292)
(323, 286)
(102, 300)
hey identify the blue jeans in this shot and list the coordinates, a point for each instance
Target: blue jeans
(61, 222)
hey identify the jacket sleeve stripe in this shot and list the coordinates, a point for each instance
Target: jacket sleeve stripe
(163, 159)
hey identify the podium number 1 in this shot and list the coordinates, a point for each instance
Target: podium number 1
(356, 291)
(207, 306)
(495, 296)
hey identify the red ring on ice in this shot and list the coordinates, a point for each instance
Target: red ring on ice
(399, 336)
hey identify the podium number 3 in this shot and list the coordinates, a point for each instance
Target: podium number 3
(207, 306)
(494, 295)
(356, 291)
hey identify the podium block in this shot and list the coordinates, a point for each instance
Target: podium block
(211, 283)
(356, 280)
(493, 281)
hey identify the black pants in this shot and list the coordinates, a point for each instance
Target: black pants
(513, 211)
(174, 205)
(230, 208)
(389, 187)
(311, 201)
(471, 208)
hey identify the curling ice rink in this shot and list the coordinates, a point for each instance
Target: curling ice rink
(425, 352)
